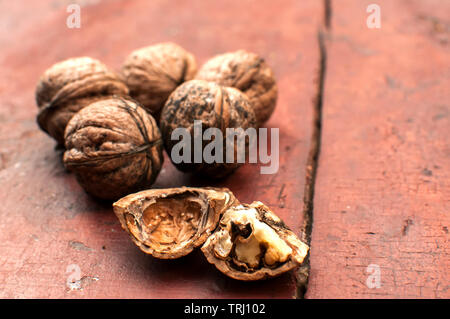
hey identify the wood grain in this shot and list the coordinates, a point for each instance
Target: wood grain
(382, 190)
(48, 223)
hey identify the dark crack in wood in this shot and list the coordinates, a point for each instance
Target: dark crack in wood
(302, 275)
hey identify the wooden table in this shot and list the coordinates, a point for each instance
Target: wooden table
(373, 101)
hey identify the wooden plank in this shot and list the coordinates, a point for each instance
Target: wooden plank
(382, 190)
(48, 223)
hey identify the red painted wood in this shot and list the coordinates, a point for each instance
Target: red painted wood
(47, 222)
(382, 191)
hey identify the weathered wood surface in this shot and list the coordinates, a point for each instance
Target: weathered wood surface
(382, 194)
(383, 184)
(47, 222)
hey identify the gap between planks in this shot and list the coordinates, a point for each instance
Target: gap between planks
(302, 274)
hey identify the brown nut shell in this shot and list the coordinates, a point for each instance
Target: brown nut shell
(114, 147)
(68, 86)
(153, 72)
(247, 72)
(170, 223)
(216, 107)
(252, 243)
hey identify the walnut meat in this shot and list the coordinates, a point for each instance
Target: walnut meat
(247, 72)
(252, 243)
(114, 147)
(153, 72)
(68, 86)
(170, 223)
(245, 242)
(213, 106)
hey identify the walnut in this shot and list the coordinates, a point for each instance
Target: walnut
(153, 72)
(170, 223)
(245, 242)
(114, 147)
(68, 86)
(214, 106)
(247, 72)
(252, 243)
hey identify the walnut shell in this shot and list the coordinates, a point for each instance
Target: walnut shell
(252, 243)
(153, 72)
(170, 223)
(68, 86)
(216, 107)
(247, 72)
(114, 147)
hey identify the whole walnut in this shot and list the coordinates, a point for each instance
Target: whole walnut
(247, 72)
(68, 86)
(153, 72)
(114, 147)
(196, 106)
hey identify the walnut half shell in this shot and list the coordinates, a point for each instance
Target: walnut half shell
(252, 243)
(170, 223)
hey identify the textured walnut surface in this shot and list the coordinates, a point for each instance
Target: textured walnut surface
(153, 72)
(68, 86)
(170, 223)
(252, 243)
(247, 72)
(216, 107)
(114, 147)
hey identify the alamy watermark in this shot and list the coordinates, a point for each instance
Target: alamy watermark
(73, 21)
(374, 279)
(73, 280)
(234, 147)
(374, 19)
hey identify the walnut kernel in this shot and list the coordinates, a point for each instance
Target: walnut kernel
(252, 243)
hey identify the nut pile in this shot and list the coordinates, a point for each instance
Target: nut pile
(114, 127)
